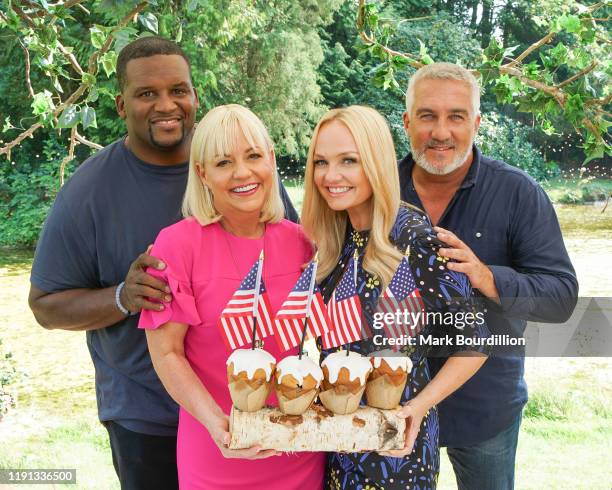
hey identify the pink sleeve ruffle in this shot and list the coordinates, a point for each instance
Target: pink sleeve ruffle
(181, 309)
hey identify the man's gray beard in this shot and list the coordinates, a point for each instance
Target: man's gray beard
(421, 160)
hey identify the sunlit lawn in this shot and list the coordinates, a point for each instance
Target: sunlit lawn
(565, 441)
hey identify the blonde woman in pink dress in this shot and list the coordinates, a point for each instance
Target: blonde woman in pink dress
(232, 211)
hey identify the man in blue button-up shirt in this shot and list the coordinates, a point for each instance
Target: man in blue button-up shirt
(499, 228)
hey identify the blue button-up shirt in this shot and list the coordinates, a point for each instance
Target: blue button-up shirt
(507, 220)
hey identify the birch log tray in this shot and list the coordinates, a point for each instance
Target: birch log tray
(318, 429)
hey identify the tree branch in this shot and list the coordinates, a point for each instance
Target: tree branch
(578, 75)
(601, 102)
(58, 110)
(86, 142)
(23, 16)
(41, 12)
(546, 39)
(71, 58)
(78, 93)
(413, 61)
(28, 20)
(93, 59)
(27, 68)
(596, 6)
(68, 158)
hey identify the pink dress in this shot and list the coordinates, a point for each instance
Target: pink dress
(204, 266)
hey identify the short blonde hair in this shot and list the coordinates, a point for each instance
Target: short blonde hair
(444, 71)
(326, 227)
(216, 134)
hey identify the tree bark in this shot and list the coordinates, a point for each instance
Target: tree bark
(368, 429)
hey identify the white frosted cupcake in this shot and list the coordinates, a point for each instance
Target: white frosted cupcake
(249, 374)
(387, 381)
(296, 384)
(344, 381)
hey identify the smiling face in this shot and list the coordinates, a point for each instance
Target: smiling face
(442, 125)
(241, 180)
(158, 104)
(339, 174)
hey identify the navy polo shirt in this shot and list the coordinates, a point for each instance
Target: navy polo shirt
(507, 220)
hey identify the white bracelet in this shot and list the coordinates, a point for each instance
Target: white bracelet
(122, 308)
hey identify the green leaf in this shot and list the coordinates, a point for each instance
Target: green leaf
(123, 37)
(559, 54)
(88, 117)
(571, 23)
(7, 124)
(510, 50)
(42, 103)
(192, 5)
(70, 117)
(88, 79)
(179, 34)
(574, 104)
(109, 62)
(149, 21)
(494, 51)
(97, 36)
(57, 86)
(588, 35)
(593, 153)
(422, 48)
(427, 60)
(93, 95)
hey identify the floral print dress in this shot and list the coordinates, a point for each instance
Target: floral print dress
(441, 290)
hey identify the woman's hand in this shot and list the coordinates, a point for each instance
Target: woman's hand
(414, 412)
(218, 428)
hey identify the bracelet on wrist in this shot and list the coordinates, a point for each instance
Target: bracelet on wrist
(120, 306)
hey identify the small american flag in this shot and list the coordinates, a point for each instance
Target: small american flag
(236, 321)
(402, 295)
(304, 301)
(344, 310)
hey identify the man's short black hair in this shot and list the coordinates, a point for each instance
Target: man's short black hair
(143, 48)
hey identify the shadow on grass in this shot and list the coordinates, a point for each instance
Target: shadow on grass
(15, 261)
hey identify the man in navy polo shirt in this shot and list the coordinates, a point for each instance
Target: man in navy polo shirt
(88, 272)
(499, 228)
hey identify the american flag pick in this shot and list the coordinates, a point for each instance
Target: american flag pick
(344, 310)
(402, 295)
(248, 304)
(304, 301)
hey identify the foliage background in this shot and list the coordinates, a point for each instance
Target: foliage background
(287, 60)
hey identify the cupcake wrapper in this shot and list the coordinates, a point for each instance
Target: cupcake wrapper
(246, 398)
(341, 404)
(382, 393)
(296, 406)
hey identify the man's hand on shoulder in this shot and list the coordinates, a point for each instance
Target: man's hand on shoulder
(468, 263)
(139, 286)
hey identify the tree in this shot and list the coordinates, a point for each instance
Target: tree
(262, 54)
(58, 63)
(568, 80)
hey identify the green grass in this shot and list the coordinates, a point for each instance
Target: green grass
(578, 190)
(54, 423)
(295, 189)
(565, 440)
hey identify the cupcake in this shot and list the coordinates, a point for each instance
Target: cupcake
(296, 384)
(344, 381)
(387, 382)
(249, 374)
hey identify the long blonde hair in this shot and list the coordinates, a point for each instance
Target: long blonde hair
(326, 227)
(216, 135)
